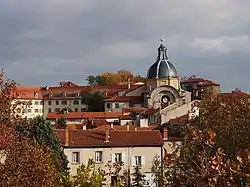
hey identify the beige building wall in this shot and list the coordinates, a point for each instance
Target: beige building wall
(53, 107)
(128, 153)
(118, 106)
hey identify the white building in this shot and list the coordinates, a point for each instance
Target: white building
(29, 101)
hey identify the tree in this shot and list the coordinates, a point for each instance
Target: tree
(138, 179)
(89, 176)
(94, 101)
(61, 123)
(157, 171)
(25, 164)
(41, 133)
(120, 77)
(216, 144)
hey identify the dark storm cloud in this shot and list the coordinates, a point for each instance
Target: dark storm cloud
(43, 42)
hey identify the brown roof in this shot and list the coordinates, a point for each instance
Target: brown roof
(181, 120)
(94, 138)
(134, 87)
(150, 111)
(28, 92)
(133, 99)
(83, 115)
(136, 110)
(201, 81)
(124, 128)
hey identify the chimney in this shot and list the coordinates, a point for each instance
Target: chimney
(127, 127)
(112, 125)
(66, 136)
(107, 133)
(84, 127)
(129, 83)
(135, 128)
(165, 134)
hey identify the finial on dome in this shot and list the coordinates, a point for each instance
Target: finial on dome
(162, 40)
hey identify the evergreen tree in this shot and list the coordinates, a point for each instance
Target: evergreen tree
(40, 131)
(61, 123)
(138, 179)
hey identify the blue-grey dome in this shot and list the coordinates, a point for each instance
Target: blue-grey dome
(162, 68)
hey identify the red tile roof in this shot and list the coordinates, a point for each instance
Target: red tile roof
(125, 128)
(136, 110)
(133, 87)
(28, 92)
(94, 138)
(133, 99)
(181, 120)
(67, 83)
(150, 111)
(83, 115)
(233, 94)
(201, 81)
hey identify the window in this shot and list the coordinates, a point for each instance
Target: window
(75, 157)
(36, 110)
(76, 109)
(117, 157)
(41, 102)
(108, 105)
(36, 103)
(76, 102)
(117, 105)
(83, 109)
(49, 103)
(137, 160)
(64, 102)
(57, 102)
(49, 109)
(57, 109)
(131, 104)
(82, 102)
(29, 110)
(98, 156)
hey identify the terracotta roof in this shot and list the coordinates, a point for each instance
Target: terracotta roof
(133, 99)
(67, 83)
(150, 111)
(181, 120)
(130, 110)
(201, 81)
(133, 87)
(125, 128)
(233, 94)
(94, 138)
(28, 92)
(83, 115)
(126, 117)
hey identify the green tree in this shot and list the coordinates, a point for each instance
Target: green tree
(94, 101)
(41, 132)
(97, 80)
(61, 123)
(157, 171)
(89, 176)
(138, 179)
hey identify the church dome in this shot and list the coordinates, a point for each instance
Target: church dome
(162, 68)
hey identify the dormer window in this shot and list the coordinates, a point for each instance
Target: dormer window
(35, 94)
(50, 95)
(64, 94)
(77, 94)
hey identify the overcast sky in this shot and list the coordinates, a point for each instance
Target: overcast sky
(43, 42)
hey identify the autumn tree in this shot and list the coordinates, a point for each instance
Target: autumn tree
(120, 77)
(24, 163)
(215, 151)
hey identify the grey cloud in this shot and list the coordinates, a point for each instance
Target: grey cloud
(43, 42)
